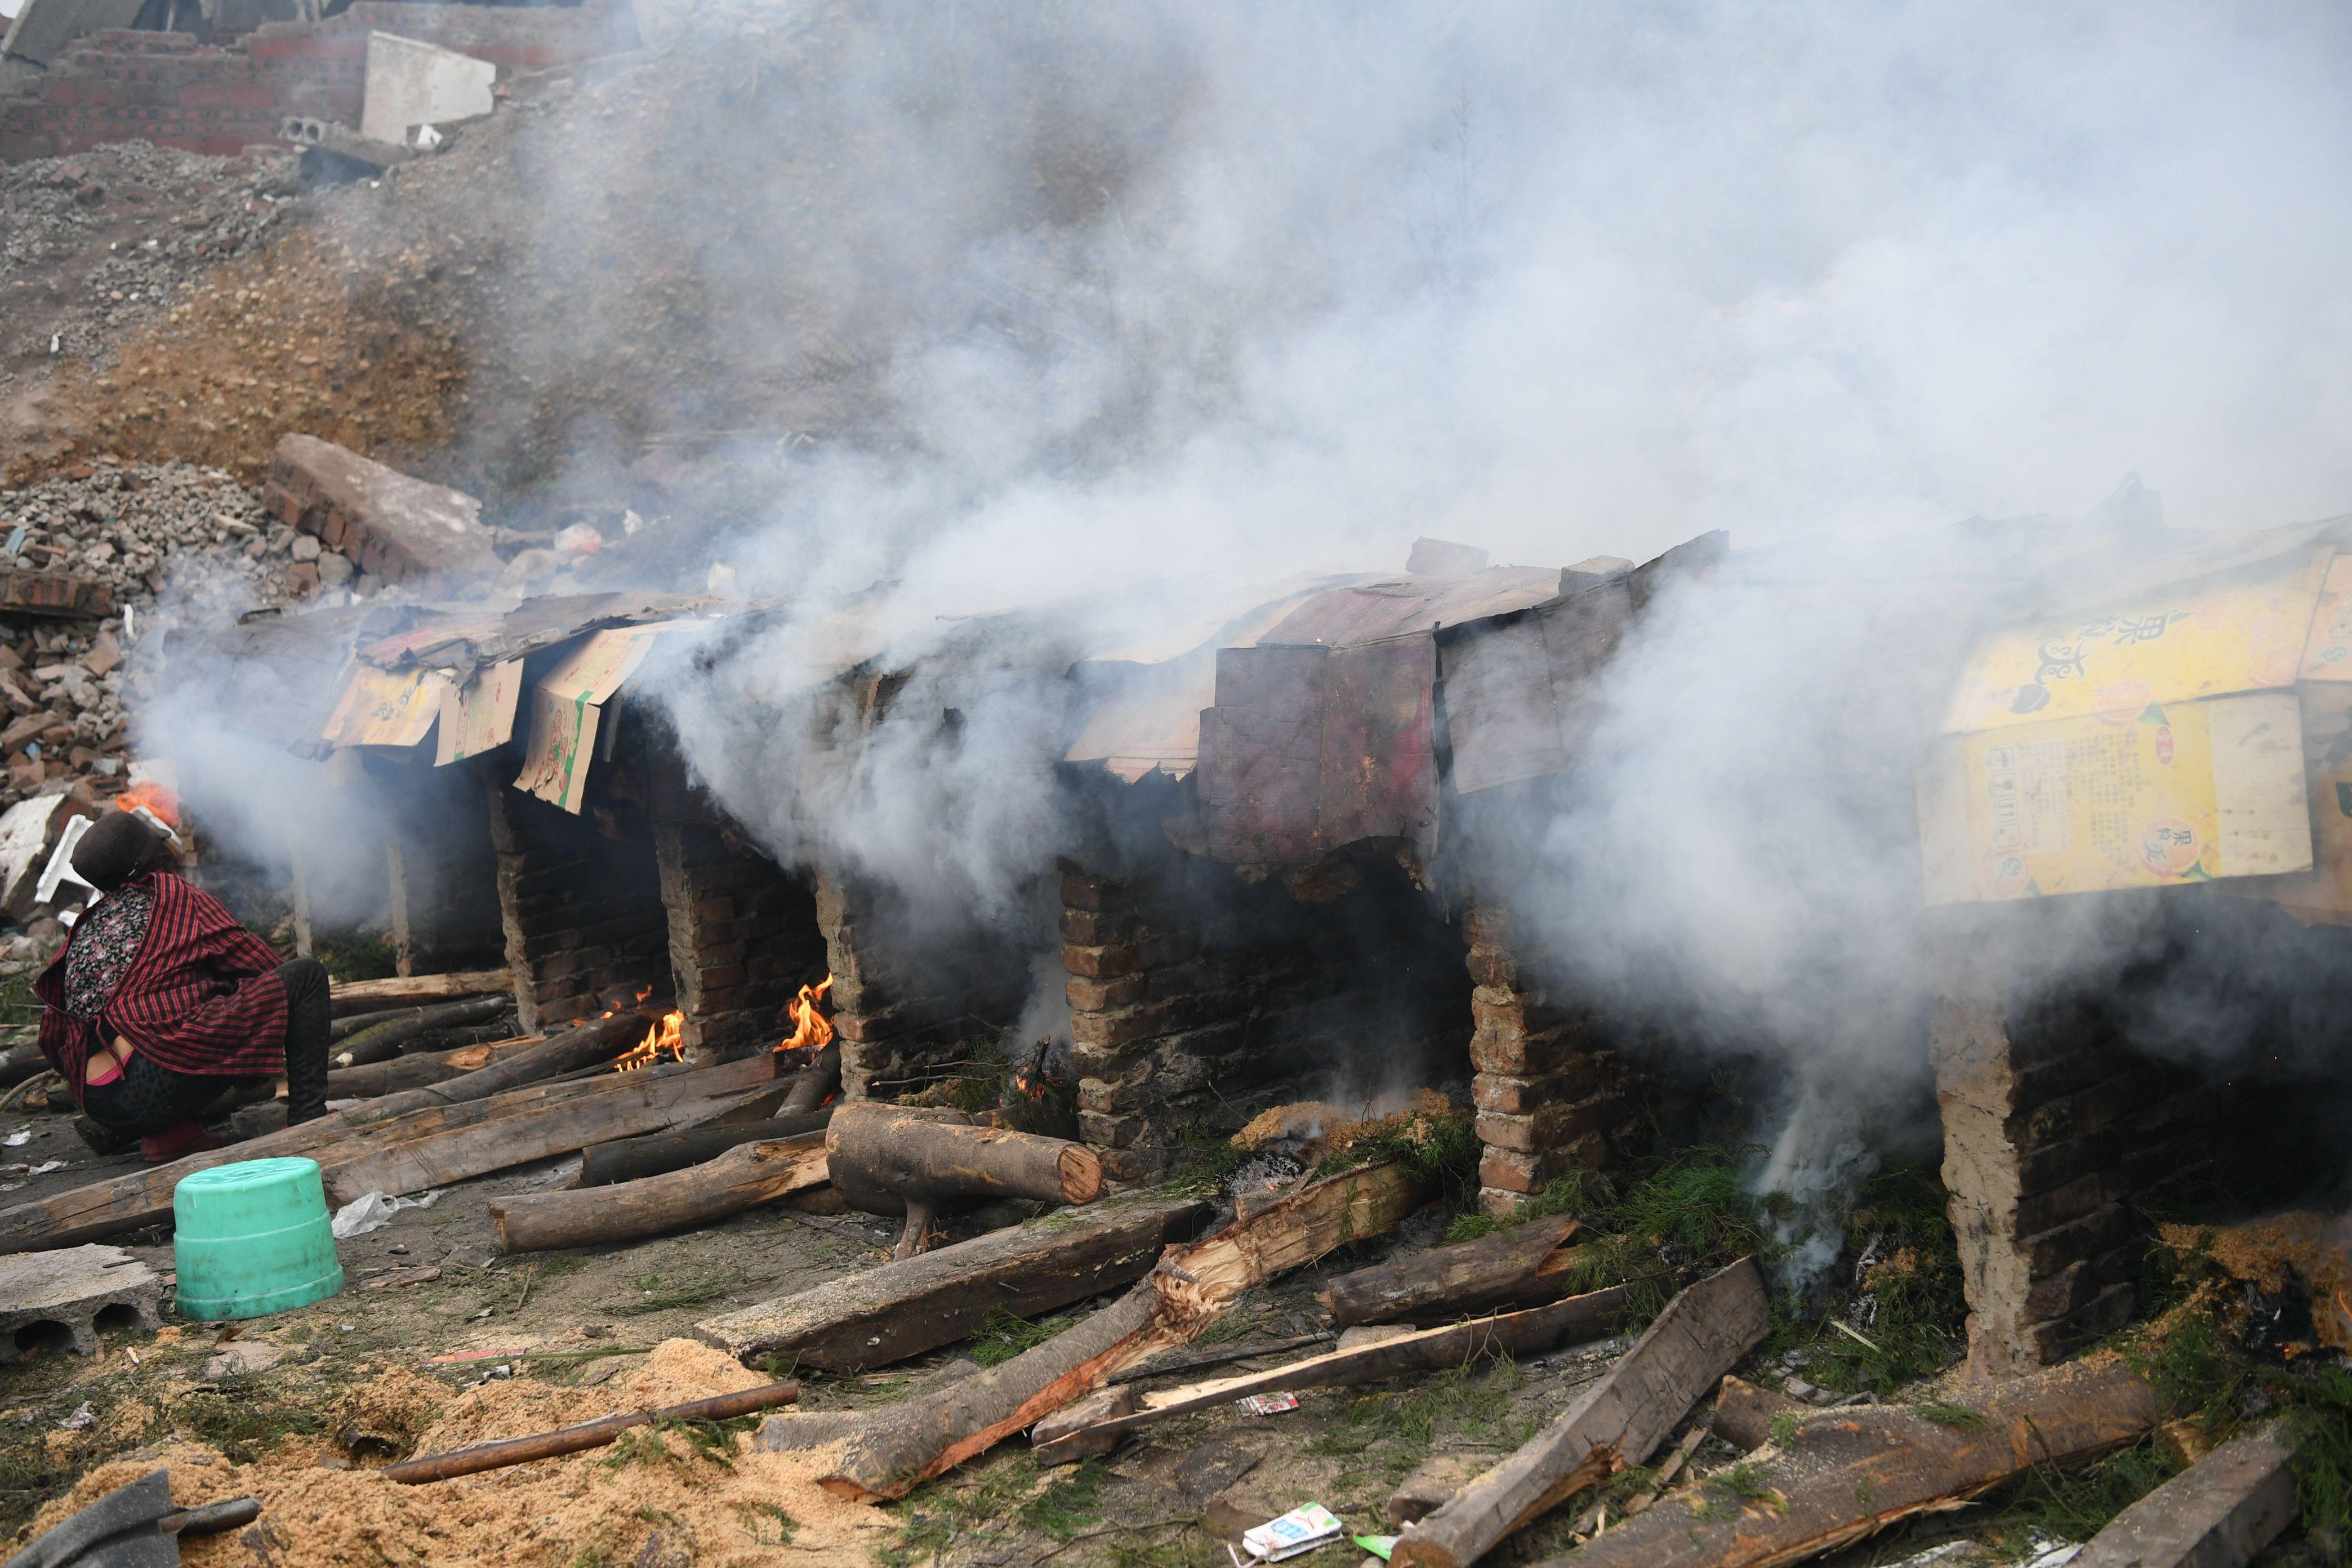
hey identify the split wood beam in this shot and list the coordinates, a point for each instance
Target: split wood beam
(1095, 1425)
(1849, 1472)
(635, 1158)
(1619, 1421)
(888, 1453)
(916, 1304)
(1519, 1267)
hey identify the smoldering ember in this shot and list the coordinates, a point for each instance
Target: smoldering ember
(846, 782)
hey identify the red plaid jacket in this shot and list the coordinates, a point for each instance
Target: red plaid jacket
(202, 995)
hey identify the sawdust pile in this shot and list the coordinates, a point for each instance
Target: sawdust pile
(656, 1501)
(2298, 1253)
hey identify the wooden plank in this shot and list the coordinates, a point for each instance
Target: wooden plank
(2217, 1513)
(598, 1040)
(1571, 1322)
(406, 990)
(1848, 1473)
(906, 1307)
(1619, 1421)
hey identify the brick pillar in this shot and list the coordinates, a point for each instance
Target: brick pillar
(2049, 1126)
(581, 913)
(904, 1010)
(1548, 1098)
(1154, 1021)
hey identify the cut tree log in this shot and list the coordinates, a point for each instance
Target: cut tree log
(2217, 1513)
(1519, 1267)
(635, 1158)
(595, 1042)
(1850, 1472)
(1095, 1425)
(588, 1435)
(137, 1198)
(743, 1177)
(890, 1452)
(615, 1105)
(414, 1069)
(382, 1041)
(1744, 1413)
(403, 991)
(813, 1084)
(1619, 1421)
(906, 1307)
(888, 1159)
(21, 1062)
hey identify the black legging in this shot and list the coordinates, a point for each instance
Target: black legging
(149, 1098)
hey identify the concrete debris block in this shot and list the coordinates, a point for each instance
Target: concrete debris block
(411, 84)
(242, 1358)
(382, 521)
(61, 1300)
(44, 27)
(2217, 1513)
(315, 135)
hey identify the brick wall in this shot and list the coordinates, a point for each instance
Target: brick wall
(580, 904)
(1551, 1095)
(120, 86)
(1199, 998)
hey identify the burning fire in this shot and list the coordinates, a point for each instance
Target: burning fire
(661, 1045)
(811, 1030)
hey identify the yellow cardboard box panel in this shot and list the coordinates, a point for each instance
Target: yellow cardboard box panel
(2245, 629)
(2172, 793)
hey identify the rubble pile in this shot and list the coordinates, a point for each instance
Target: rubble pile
(170, 541)
(104, 243)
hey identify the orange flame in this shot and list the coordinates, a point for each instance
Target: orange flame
(661, 1045)
(811, 1030)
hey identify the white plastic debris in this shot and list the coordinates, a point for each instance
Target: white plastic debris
(82, 1416)
(46, 1166)
(1303, 1528)
(373, 1211)
(18, 1139)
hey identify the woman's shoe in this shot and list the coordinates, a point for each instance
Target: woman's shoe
(174, 1142)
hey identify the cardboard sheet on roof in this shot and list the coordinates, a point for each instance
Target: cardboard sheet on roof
(387, 707)
(567, 704)
(2242, 629)
(479, 716)
(2177, 793)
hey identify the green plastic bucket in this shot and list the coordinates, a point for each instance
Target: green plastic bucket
(252, 1239)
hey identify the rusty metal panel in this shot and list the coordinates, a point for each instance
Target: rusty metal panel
(1370, 612)
(1500, 713)
(1308, 748)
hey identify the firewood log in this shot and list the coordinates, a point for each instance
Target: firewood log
(814, 1084)
(497, 1456)
(888, 1453)
(906, 1307)
(1744, 1413)
(354, 996)
(416, 1069)
(889, 1159)
(635, 1158)
(508, 1128)
(1851, 1472)
(743, 1177)
(1073, 1433)
(382, 1041)
(1619, 1421)
(1518, 1266)
(596, 1041)
(21, 1062)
